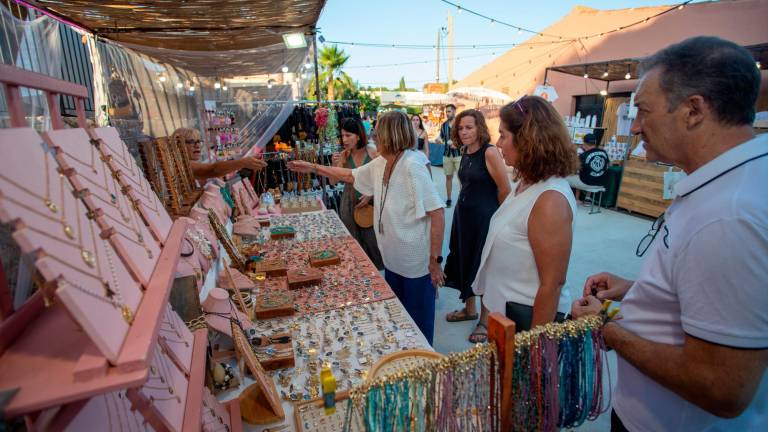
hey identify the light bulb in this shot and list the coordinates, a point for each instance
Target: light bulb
(179, 85)
(217, 85)
(308, 65)
(493, 22)
(269, 86)
(681, 7)
(224, 88)
(458, 9)
(627, 76)
(758, 65)
(586, 75)
(191, 88)
(284, 69)
(605, 74)
(603, 93)
(162, 78)
(519, 31)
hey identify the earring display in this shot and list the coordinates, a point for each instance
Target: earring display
(177, 338)
(323, 257)
(313, 226)
(216, 418)
(354, 280)
(351, 340)
(165, 390)
(310, 415)
(274, 304)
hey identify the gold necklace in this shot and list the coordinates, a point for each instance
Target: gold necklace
(91, 165)
(49, 204)
(163, 373)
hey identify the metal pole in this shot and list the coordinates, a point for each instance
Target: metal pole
(319, 101)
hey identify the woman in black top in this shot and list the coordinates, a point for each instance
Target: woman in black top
(484, 186)
(422, 140)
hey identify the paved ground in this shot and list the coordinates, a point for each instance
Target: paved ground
(604, 241)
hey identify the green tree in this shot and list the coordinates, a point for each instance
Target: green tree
(402, 86)
(368, 102)
(332, 60)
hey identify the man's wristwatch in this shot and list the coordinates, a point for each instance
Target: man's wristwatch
(438, 258)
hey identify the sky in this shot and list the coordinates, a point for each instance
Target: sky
(418, 21)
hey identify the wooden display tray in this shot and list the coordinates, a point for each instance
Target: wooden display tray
(304, 277)
(400, 360)
(279, 362)
(286, 309)
(53, 362)
(271, 267)
(324, 258)
(304, 411)
(282, 232)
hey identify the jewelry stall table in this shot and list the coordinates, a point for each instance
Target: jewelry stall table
(350, 334)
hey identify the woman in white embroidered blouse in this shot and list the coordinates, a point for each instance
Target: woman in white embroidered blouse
(525, 257)
(407, 215)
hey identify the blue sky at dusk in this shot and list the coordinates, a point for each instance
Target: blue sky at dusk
(418, 21)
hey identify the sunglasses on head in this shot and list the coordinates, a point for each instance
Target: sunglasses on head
(193, 141)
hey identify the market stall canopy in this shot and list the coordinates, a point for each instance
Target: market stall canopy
(197, 34)
(477, 93)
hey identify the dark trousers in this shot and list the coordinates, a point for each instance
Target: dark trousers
(616, 424)
(418, 297)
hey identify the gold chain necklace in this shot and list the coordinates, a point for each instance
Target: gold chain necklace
(49, 204)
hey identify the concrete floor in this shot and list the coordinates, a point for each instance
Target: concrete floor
(603, 241)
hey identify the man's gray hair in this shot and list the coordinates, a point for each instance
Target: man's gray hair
(720, 71)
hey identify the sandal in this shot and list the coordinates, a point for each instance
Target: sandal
(480, 335)
(460, 315)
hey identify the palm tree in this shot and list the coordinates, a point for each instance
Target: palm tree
(331, 60)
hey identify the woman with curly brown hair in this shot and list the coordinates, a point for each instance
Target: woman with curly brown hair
(484, 185)
(525, 258)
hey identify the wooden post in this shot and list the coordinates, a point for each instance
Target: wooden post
(501, 331)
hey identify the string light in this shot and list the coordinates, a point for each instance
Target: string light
(217, 85)
(162, 78)
(522, 29)
(284, 69)
(224, 88)
(191, 88)
(603, 93)
(179, 85)
(758, 65)
(605, 74)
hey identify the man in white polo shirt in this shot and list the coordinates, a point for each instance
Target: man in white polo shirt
(692, 346)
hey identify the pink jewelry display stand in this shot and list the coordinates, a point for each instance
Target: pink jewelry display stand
(218, 416)
(253, 197)
(219, 310)
(44, 353)
(130, 176)
(177, 340)
(103, 195)
(200, 216)
(106, 412)
(215, 202)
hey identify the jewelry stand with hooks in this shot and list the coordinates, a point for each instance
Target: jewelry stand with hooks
(52, 359)
(177, 340)
(99, 189)
(132, 179)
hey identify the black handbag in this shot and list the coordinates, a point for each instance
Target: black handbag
(522, 315)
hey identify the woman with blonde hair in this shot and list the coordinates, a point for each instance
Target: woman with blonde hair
(408, 215)
(205, 170)
(525, 258)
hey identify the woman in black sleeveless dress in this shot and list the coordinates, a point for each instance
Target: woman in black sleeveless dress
(422, 139)
(484, 186)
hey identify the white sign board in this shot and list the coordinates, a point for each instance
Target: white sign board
(547, 92)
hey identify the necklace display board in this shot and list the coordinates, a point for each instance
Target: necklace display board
(130, 176)
(97, 334)
(108, 412)
(103, 195)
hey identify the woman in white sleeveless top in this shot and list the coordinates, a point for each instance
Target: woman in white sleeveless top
(525, 257)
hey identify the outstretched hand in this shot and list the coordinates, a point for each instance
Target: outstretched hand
(301, 166)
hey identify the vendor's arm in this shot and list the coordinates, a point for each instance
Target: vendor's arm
(498, 171)
(550, 235)
(719, 379)
(204, 171)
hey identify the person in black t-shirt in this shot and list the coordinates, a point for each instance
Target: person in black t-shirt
(594, 162)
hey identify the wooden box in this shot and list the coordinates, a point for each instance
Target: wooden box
(270, 267)
(324, 257)
(282, 361)
(282, 232)
(304, 277)
(274, 304)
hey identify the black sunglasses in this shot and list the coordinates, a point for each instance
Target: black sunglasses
(647, 240)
